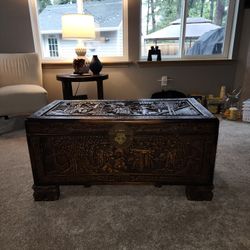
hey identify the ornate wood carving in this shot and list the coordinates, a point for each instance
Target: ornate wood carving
(158, 149)
(171, 155)
(150, 107)
(180, 108)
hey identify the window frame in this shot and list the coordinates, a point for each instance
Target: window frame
(52, 40)
(229, 39)
(33, 9)
(132, 37)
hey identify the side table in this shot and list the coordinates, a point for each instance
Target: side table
(67, 79)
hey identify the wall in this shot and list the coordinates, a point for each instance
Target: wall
(125, 82)
(15, 27)
(135, 81)
(246, 83)
(130, 82)
(242, 78)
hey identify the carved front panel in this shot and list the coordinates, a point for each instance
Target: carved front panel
(76, 142)
(104, 155)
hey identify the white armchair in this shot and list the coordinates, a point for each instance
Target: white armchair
(21, 90)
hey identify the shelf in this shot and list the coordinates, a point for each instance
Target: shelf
(184, 63)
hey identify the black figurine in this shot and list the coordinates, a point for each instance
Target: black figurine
(154, 51)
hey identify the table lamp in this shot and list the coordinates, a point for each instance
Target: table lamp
(80, 27)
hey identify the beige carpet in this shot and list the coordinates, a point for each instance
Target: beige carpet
(128, 217)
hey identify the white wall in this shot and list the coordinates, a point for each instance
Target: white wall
(111, 47)
(242, 77)
(15, 27)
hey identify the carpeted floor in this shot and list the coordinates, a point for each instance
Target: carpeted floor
(128, 217)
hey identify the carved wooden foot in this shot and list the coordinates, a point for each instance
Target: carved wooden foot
(46, 193)
(199, 193)
(87, 185)
(158, 185)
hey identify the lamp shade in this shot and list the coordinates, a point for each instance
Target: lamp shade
(78, 26)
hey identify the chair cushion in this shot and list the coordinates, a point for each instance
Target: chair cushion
(22, 99)
(20, 68)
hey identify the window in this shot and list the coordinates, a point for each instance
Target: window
(188, 28)
(109, 21)
(53, 47)
(182, 29)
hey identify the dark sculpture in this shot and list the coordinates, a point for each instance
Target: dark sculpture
(154, 51)
(95, 65)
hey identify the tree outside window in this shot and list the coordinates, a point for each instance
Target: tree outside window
(182, 29)
(202, 33)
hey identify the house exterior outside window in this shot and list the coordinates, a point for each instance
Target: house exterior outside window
(53, 47)
(108, 16)
(182, 29)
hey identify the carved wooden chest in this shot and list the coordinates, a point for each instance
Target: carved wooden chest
(161, 141)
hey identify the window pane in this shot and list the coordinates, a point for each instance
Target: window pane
(53, 47)
(205, 27)
(160, 25)
(108, 15)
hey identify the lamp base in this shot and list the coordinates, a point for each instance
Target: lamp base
(80, 66)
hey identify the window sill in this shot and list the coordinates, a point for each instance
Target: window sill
(122, 64)
(185, 62)
(66, 65)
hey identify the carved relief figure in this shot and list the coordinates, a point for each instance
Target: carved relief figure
(142, 159)
(124, 108)
(120, 138)
(116, 163)
(119, 164)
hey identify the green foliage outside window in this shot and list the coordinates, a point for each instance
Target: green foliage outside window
(160, 13)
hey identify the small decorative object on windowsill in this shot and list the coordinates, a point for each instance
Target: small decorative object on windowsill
(154, 51)
(95, 65)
